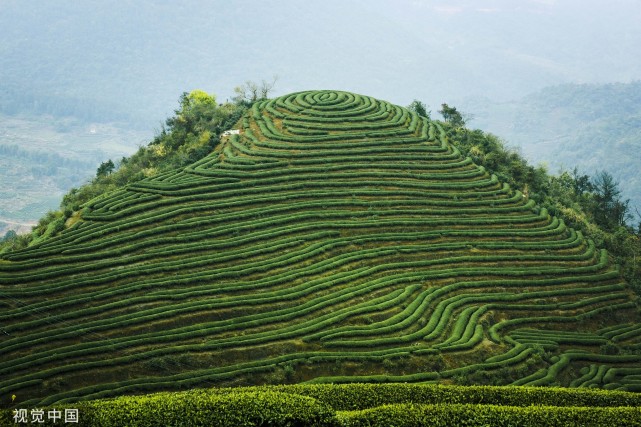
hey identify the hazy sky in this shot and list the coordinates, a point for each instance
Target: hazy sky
(136, 57)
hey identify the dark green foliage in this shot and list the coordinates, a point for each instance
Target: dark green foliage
(105, 169)
(419, 108)
(609, 211)
(452, 116)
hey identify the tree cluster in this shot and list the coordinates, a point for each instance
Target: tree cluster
(419, 108)
(250, 92)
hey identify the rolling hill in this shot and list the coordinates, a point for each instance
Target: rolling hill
(336, 238)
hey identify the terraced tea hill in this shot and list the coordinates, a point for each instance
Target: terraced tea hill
(337, 238)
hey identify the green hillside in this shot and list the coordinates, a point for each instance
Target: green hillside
(337, 238)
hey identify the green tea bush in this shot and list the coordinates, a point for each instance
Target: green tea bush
(402, 415)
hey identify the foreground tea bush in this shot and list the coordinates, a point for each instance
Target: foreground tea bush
(406, 415)
(363, 405)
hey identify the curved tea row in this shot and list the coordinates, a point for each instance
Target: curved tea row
(337, 238)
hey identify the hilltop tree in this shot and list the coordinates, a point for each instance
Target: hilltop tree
(609, 211)
(251, 92)
(105, 168)
(452, 116)
(581, 183)
(197, 108)
(192, 130)
(419, 108)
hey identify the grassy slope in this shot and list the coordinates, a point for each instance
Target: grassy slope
(338, 238)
